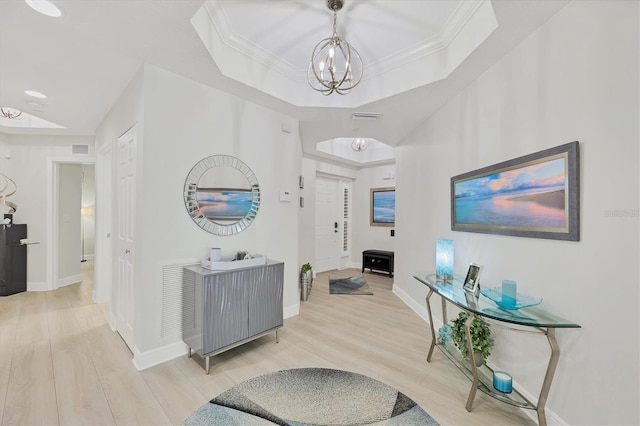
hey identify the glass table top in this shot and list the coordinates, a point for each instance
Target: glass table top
(483, 306)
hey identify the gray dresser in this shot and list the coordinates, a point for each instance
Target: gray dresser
(224, 309)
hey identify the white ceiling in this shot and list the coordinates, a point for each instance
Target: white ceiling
(418, 54)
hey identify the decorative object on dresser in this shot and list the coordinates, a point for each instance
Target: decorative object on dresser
(383, 207)
(537, 195)
(380, 260)
(224, 309)
(529, 320)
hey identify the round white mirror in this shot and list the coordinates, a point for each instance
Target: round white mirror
(222, 195)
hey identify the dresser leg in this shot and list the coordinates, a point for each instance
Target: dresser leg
(277, 338)
(189, 352)
(206, 364)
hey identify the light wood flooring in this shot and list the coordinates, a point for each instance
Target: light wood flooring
(60, 363)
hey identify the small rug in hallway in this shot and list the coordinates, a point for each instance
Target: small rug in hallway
(351, 285)
(311, 396)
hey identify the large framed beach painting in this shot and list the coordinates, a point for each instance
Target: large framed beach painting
(383, 207)
(537, 196)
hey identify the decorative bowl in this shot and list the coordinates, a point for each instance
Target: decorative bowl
(509, 303)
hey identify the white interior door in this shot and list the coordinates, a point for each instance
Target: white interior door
(125, 294)
(327, 248)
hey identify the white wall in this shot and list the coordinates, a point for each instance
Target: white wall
(181, 122)
(4, 143)
(576, 78)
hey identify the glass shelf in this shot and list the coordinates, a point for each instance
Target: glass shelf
(483, 306)
(485, 377)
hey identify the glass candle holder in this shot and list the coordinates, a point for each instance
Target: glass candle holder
(502, 381)
(444, 260)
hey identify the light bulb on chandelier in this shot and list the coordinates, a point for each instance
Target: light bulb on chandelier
(335, 65)
(10, 113)
(359, 144)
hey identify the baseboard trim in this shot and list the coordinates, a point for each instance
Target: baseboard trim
(291, 311)
(38, 286)
(415, 307)
(72, 279)
(144, 360)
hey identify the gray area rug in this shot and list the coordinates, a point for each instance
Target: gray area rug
(351, 285)
(311, 396)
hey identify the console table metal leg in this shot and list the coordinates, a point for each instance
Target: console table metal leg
(548, 377)
(433, 332)
(474, 370)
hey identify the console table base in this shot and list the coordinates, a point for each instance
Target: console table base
(548, 379)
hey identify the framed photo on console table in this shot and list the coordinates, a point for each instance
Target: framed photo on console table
(472, 280)
(537, 195)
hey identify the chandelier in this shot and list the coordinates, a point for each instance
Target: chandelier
(335, 65)
(359, 144)
(10, 113)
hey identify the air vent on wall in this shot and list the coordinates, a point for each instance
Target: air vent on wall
(80, 149)
(365, 115)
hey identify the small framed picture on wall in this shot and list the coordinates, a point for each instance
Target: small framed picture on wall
(472, 281)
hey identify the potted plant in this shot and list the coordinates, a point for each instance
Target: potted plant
(306, 279)
(480, 337)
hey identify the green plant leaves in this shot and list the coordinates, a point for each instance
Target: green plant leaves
(480, 335)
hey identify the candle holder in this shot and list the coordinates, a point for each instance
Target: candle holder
(444, 260)
(502, 382)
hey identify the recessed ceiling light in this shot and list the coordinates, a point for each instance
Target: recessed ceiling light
(35, 94)
(45, 7)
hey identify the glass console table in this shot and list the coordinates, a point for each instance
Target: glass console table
(529, 319)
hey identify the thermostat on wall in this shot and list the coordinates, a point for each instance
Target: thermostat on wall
(285, 196)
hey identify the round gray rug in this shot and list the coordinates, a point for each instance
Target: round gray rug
(311, 396)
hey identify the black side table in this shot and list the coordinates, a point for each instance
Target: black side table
(379, 260)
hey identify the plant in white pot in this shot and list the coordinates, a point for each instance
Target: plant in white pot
(306, 279)
(480, 337)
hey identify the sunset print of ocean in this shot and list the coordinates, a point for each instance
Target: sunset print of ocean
(224, 204)
(532, 196)
(384, 206)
